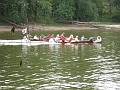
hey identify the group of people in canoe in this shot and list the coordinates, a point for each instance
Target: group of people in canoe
(58, 38)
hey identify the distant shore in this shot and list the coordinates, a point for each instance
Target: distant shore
(4, 28)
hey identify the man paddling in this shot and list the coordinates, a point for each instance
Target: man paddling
(63, 37)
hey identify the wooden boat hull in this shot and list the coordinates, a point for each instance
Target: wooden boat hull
(82, 42)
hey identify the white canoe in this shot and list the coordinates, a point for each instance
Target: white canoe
(23, 42)
(51, 41)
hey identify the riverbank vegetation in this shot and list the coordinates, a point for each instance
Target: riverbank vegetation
(52, 11)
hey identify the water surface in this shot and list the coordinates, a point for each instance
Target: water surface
(62, 67)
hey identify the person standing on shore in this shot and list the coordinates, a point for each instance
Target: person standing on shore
(13, 29)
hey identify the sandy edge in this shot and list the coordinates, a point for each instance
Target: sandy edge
(67, 27)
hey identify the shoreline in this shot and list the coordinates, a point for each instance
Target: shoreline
(5, 28)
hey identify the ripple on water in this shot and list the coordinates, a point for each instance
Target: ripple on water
(1, 76)
(100, 85)
(63, 85)
(19, 56)
(15, 75)
(6, 87)
(95, 59)
(23, 87)
(7, 57)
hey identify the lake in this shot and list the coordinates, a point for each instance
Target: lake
(62, 67)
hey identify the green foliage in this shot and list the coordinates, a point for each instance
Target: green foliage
(117, 3)
(15, 10)
(64, 11)
(99, 6)
(38, 9)
(87, 10)
(45, 11)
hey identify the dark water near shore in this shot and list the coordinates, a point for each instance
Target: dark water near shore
(62, 67)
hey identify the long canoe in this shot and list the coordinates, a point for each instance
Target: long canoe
(28, 42)
(23, 42)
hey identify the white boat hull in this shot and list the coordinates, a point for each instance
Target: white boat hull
(29, 43)
(23, 42)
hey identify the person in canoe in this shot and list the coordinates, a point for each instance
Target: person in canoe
(76, 39)
(57, 38)
(35, 38)
(48, 37)
(91, 39)
(29, 37)
(70, 38)
(52, 39)
(83, 38)
(42, 37)
(63, 37)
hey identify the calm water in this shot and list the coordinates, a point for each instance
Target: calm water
(62, 67)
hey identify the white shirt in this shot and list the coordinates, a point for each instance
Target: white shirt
(35, 37)
(82, 38)
(76, 39)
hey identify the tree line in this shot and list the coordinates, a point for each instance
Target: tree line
(47, 11)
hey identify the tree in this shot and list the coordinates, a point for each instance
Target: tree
(117, 3)
(117, 14)
(2, 8)
(38, 9)
(65, 11)
(99, 6)
(86, 10)
(24, 11)
(14, 10)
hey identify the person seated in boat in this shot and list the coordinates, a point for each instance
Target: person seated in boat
(29, 37)
(70, 38)
(25, 37)
(57, 38)
(52, 39)
(91, 39)
(52, 36)
(76, 39)
(42, 37)
(35, 38)
(48, 37)
(63, 37)
(82, 38)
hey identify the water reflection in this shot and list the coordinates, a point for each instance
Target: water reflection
(27, 53)
(97, 46)
(53, 47)
(62, 66)
(25, 50)
(56, 49)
